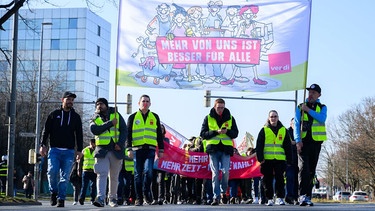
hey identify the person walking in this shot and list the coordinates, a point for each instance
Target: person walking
(291, 173)
(28, 184)
(76, 181)
(218, 129)
(274, 154)
(63, 128)
(144, 136)
(309, 134)
(86, 166)
(110, 132)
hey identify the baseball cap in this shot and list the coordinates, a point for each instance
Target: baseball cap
(69, 94)
(315, 87)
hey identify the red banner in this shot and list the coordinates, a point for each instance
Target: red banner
(196, 164)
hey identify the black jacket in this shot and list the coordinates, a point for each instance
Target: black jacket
(206, 133)
(64, 130)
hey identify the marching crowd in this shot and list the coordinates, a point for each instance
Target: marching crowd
(118, 165)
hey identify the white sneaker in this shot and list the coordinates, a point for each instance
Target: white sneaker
(74, 203)
(280, 201)
(270, 202)
(256, 200)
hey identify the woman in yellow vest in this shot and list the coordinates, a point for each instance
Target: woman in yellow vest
(219, 128)
(274, 153)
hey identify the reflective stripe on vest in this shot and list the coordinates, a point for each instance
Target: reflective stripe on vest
(105, 137)
(212, 125)
(273, 145)
(4, 170)
(318, 130)
(144, 132)
(88, 159)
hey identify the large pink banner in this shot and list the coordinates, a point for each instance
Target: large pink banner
(208, 50)
(196, 164)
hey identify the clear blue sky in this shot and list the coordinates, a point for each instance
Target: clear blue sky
(340, 61)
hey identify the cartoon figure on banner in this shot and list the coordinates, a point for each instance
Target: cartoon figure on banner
(249, 28)
(212, 28)
(151, 67)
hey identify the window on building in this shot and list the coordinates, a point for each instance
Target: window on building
(73, 23)
(55, 44)
(99, 31)
(71, 65)
(98, 50)
(97, 70)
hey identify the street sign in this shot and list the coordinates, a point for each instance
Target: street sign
(25, 134)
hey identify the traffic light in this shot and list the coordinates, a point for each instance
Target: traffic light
(129, 103)
(207, 99)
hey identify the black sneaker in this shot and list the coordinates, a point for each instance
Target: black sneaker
(53, 199)
(60, 203)
(99, 202)
(215, 202)
(81, 201)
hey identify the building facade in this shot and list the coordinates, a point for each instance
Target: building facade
(76, 52)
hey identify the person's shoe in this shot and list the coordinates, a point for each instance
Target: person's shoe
(280, 201)
(138, 202)
(166, 201)
(81, 201)
(224, 199)
(302, 200)
(99, 202)
(309, 202)
(249, 201)
(53, 200)
(269, 202)
(120, 201)
(288, 200)
(295, 202)
(74, 203)
(113, 203)
(232, 200)
(60, 203)
(154, 202)
(215, 202)
(256, 201)
(160, 201)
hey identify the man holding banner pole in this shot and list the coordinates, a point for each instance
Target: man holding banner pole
(218, 129)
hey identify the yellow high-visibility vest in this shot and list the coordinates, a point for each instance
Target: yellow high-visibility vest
(88, 159)
(144, 132)
(105, 137)
(212, 125)
(273, 145)
(318, 130)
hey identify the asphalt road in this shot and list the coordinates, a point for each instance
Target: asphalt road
(169, 207)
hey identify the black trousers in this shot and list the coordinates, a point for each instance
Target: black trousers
(307, 161)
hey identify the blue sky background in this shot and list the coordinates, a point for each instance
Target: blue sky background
(340, 60)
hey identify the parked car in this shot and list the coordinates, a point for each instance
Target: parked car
(341, 195)
(358, 196)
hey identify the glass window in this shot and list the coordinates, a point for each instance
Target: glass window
(72, 44)
(98, 50)
(71, 65)
(73, 23)
(54, 65)
(99, 30)
(63, 44)
(64, 23)
(56, 23)
(97, 70)
(55, 44)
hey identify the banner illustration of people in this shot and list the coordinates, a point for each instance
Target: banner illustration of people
(230, 45)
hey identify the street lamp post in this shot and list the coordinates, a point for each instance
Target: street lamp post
(38, 104)
(97, 88)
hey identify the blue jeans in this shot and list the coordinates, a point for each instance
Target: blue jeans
(60, 164)
(143, 166)
(88, 176)
(219, 161)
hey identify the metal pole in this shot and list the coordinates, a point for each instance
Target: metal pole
(12, 108)
(38, 105)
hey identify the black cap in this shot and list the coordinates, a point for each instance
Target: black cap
(315, 87)
(103, 100)
(69, 94)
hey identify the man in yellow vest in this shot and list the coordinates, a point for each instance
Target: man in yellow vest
(218, 129)
(110, 132)
(144, 136)
(87, 165)
(309, 134)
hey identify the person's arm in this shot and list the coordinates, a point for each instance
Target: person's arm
(260, 146)
(79, 134)
(123, 131)
(297, 125)
(321, 116)
(99, 129)
(45, 135)
(233, 132)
